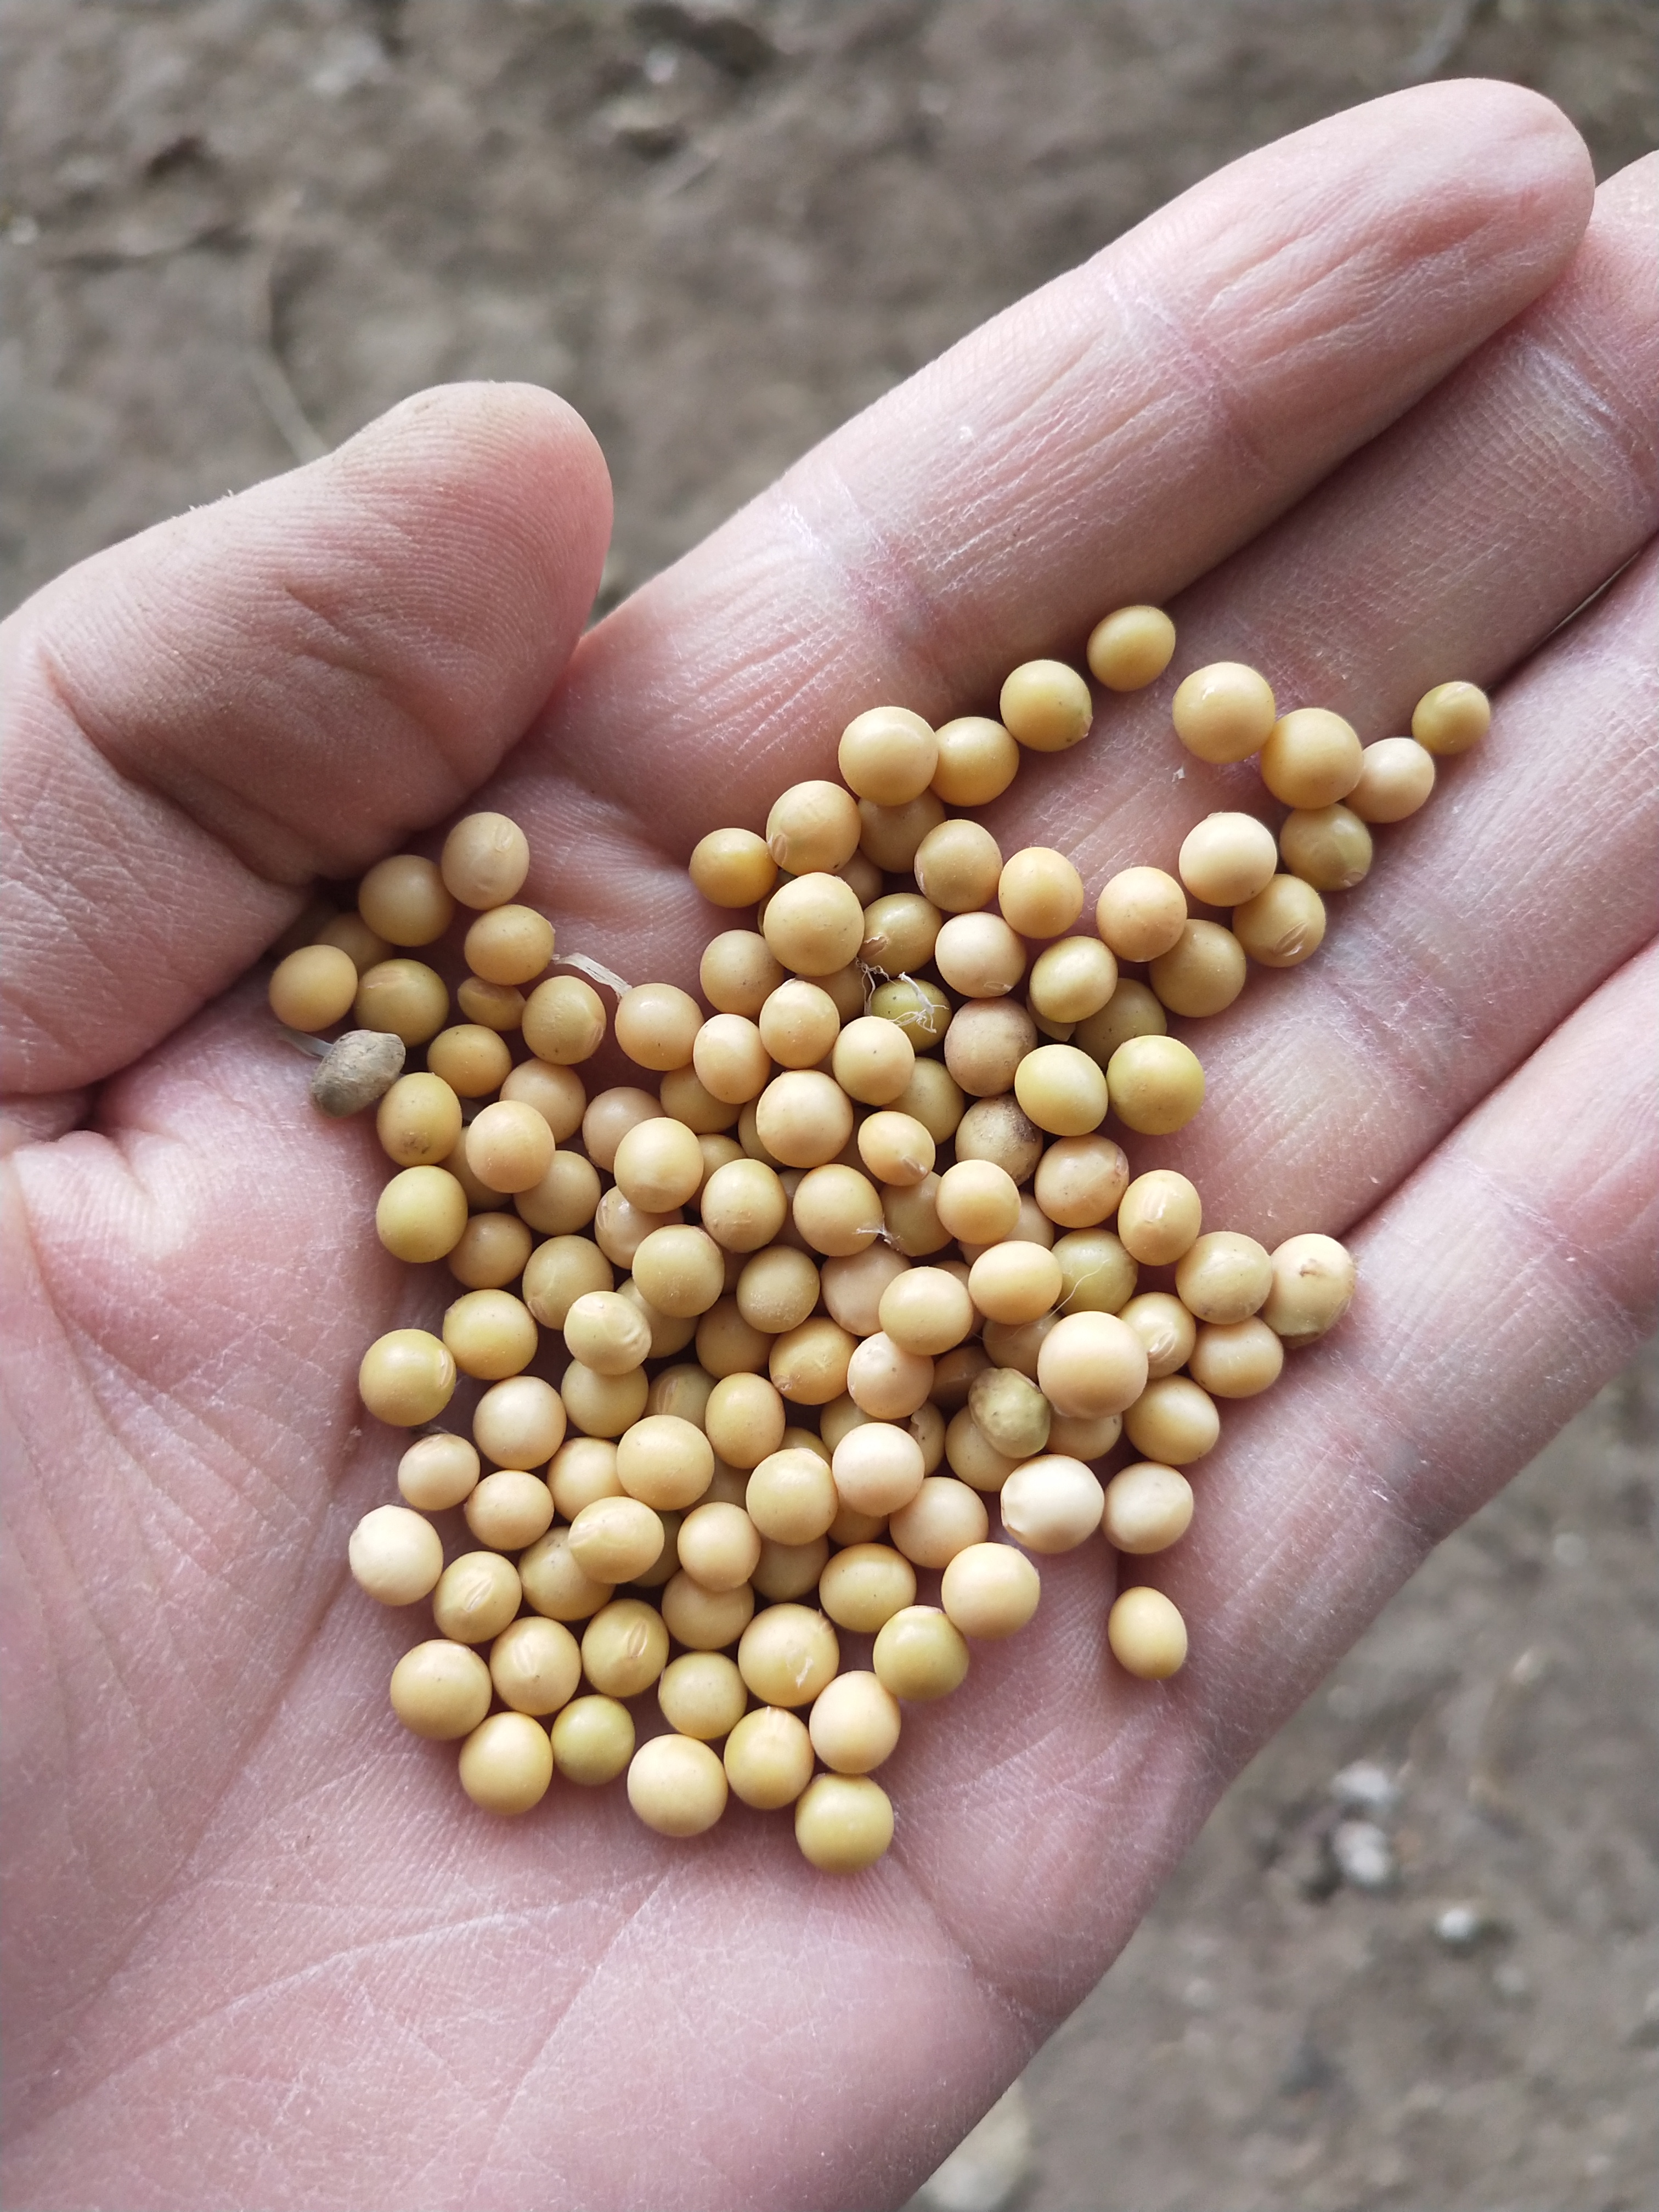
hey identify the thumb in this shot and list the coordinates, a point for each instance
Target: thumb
(274, 687)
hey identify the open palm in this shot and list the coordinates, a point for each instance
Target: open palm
(1370, 410)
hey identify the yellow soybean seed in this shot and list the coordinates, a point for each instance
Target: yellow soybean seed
(418, 1121)
(1046, 706)
(977, 762)
(1313, 1283)
(799, 1023)
(593, 1740)
(813, 925)
(744, 1205)
(490, 1334)
(985, 1043)
(395, 1555)
(787, 1654)
(441, 1690)
(1084, 1438)
(920, 1655)
(768, 1759)
(864, 1586)
(927, 1309)
(1072, 979)
(777, 1290)
(656, 1025)
(1329, 847)
(971, 1453)
(403, 900)
(1237, 1359)
(560, 1271)
(534, 1665)
(405, 997)
(705, 1619)
(855, 1723)
(1224, 1276)
(1131, 647)
(977, 1201)
(1133, 1011)
(582, 1469)
(843, 1823)
(1397, 775)
(1096, 1274)
(885, 1382)
(1147, 1509)
(804, 1119)
(685, 1390)
(1017, 1344)
(565, 1199)
(989, 1591)
(602, 1405)
(1090, 1363)
(719, 1547)
(509, 945)
(1155, 1083)
(836, 1211)
(1080, 1180)
(727, 1345)
(612, 1539)
(1226, 859)
(1140, 912)
(407, 1377)
(744, 1419)
(624, 1648)
(787, 1572)
(1148, 1635)
(485, 859)
(658, 1164)
(665, 1462)
(890, 836)
(475, 1597)
(1014, 1281)
(564, 1021)
(957, 866)
(912, 1223)
(555, 1584)
(556, 1094)
(677, 1786)
(877, 1467)
(732, 867)
(1312, 757)
(920, 1007)
(354, 937)
(506, 1763)
(943, 1517)
(498, 1006)
(1282, 925)
(851, 1289)
(873, 1060)
(620, 1227)
(812, 827)
(1451, 718)
(680, 1270)
(738, 973)
(437, 1472)
(1165, 1326)
(731, 1059)
(1051, 1504)
(896, 1149)
(508, 1146)
(887, 754)
(1224, 712)
(491, 1252)
(791, 1498)
(1039, 892)
(1159, 1216)
(701, 1694)
(980, 954)
(1000, 1131)
(1062, 1090)
(313, 987)
(1173, 1421)
(421, 1215)
(509, 1510)
(900, 931)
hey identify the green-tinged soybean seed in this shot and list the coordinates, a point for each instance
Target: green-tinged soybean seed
(506, 1763)
(791, 1498)
(1131, 647)
(593, 1740)
(701, 1695)
(920, 1655)
(1147, 1509)
(441, 1690)
(732, 867)
(1091, 1363)
(485, 859)
(1397, 775)
(768, 1759)
(862, 1587)
(624, 1648)
(1313, 1282)
(534, 1665)
(922, 1009)
(396, 1555)
(1148, 1635)
(1062, 1090)
(403, 899)
(989, 1591)
(407, 1377)
(843, 1823)
(1155, 1083)
(1010, 1412)
(1329, 847)
(475, 1597)
(1282, 925)
(1173, 1421)
(313, 987)
(1451, 718)
(555, 1584)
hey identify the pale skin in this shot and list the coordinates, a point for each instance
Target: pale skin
(260, 1951)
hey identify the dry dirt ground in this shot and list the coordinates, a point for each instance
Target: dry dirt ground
(1412, 1960)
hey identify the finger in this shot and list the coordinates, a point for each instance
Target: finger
(271, 689)
(1110, 438)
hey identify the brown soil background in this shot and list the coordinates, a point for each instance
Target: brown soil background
(231, 231)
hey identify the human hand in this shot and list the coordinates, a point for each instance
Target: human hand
(260, 1951)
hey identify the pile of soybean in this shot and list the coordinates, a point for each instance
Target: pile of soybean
(843, 1293)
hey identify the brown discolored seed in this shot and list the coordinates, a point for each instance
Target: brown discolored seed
(358, 1069)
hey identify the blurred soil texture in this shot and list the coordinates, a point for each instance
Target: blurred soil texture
(1412, 1960)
